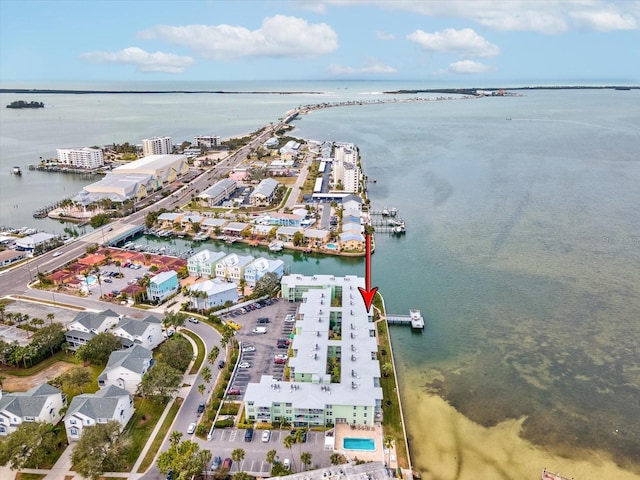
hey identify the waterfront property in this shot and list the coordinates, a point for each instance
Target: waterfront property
(7, 257)
(260, 267)
(87, 409)
(203, 263)
(40, 404)
(212, 293)
(334, 374)
(81, 157)
(157, 146)
(162, 286)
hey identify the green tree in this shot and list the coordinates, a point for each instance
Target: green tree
(201, 389)
(298, 238)
(49, 338)
(176, 352)
(271, 456)
(160, 382)
(206, 374)
(237, 455)
(213, 354)
(386, 369)
(100, 449)
(305, 460)
(28, 445)
(97, 350)
(336, 459)
(240, 475)
(185, 459)
(76, 378)
(387, 443)
(175, 437)
(99, 219)
(173, 319)
(288, 443)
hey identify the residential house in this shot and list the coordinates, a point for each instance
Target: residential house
(125, 368)
(162, 286)
(218, 192)
(203, 263)
(232, 267)
(264, 192)
(168, 219)
(352, 205)
(315, 237)
(39, 404)
(351, 240)
(285, 234)
(87, 325)
(212, 293)
(88, 409)
(234, 229)
(260, 267)
(146, 332)
(211, 224)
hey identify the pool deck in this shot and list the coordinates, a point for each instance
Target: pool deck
(343, 430)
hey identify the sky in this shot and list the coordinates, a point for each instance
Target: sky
(461, 42)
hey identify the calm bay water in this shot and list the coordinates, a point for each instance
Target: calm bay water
(522, 252)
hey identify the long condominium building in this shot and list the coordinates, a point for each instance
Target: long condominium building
(157, 146)
(334, 372)
(81, 157)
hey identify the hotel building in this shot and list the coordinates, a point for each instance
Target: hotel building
(157, 146)
(81, 157)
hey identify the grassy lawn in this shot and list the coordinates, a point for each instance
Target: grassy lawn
(162, 433)
(201, 349)
(29, 476)
(392, 421)
(140, 427)
(47, 362)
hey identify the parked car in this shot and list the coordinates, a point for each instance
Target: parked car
(201, 408)
(266, 435)
(290, 318)
(248, 434)
(260, 330)
(234, 391)
(286, 463)
(107, 280)
(248, 348)
(227, 463)
(279, 361)
(193, 320)
(221, 364)
(170, 475)
(191, 428)
(263, 320)
(244, 365)
(232, 324)
(215, 464)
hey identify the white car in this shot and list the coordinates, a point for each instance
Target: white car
(248, 348)
(244, 365)
(260, 330)
(266, 435)
(191, 429)
(286, 463)
(290, 318)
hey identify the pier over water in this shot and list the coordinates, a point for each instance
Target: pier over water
(414, 319)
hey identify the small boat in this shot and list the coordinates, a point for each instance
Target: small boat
(276, 246)
(16, 171)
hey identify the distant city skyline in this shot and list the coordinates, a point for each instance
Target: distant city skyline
(437, 42)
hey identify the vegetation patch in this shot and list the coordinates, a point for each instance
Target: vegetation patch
(159, 438)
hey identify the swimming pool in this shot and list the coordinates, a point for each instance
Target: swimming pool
(367, 444)
(332, 246)
(90, 280)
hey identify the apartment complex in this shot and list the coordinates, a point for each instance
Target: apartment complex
(334, 373)
(81, 157)
(207, 141)
(157, 146)
(346, 171)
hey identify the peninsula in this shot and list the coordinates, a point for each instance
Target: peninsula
(23, 104)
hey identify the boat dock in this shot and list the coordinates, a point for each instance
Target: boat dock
(386, 220)
(414, 319)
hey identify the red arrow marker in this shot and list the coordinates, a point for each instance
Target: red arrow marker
(368, 293)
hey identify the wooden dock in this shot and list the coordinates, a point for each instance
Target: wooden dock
(414, 319)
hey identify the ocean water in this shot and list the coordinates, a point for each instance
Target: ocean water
(522, 252)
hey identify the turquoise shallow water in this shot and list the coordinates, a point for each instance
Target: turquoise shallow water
(522, 248)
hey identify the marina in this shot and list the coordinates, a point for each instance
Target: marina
(414, 319)
(386, 220)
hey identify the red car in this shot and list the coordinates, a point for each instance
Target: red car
(233, 391)
(280, 361)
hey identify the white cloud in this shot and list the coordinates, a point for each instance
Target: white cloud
(605, 21)
(144, 61)
(278, 36)
(547, 17)
(311, 6)
(371, 67)
(468, 66)
(380, 35)
(463, 42)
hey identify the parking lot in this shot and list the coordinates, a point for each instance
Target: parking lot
(111, 286)
(259, 350)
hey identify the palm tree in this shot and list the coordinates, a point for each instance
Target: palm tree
(271, 457)
(213, 354)
(50, 317)
(298, 437)
(201, 389)
(175, 437)
(238, 456)
(305, 459)
(206, 374)
(386, 369)
(2, 309)
(335, 459)
(288, 442)
(387, 442)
